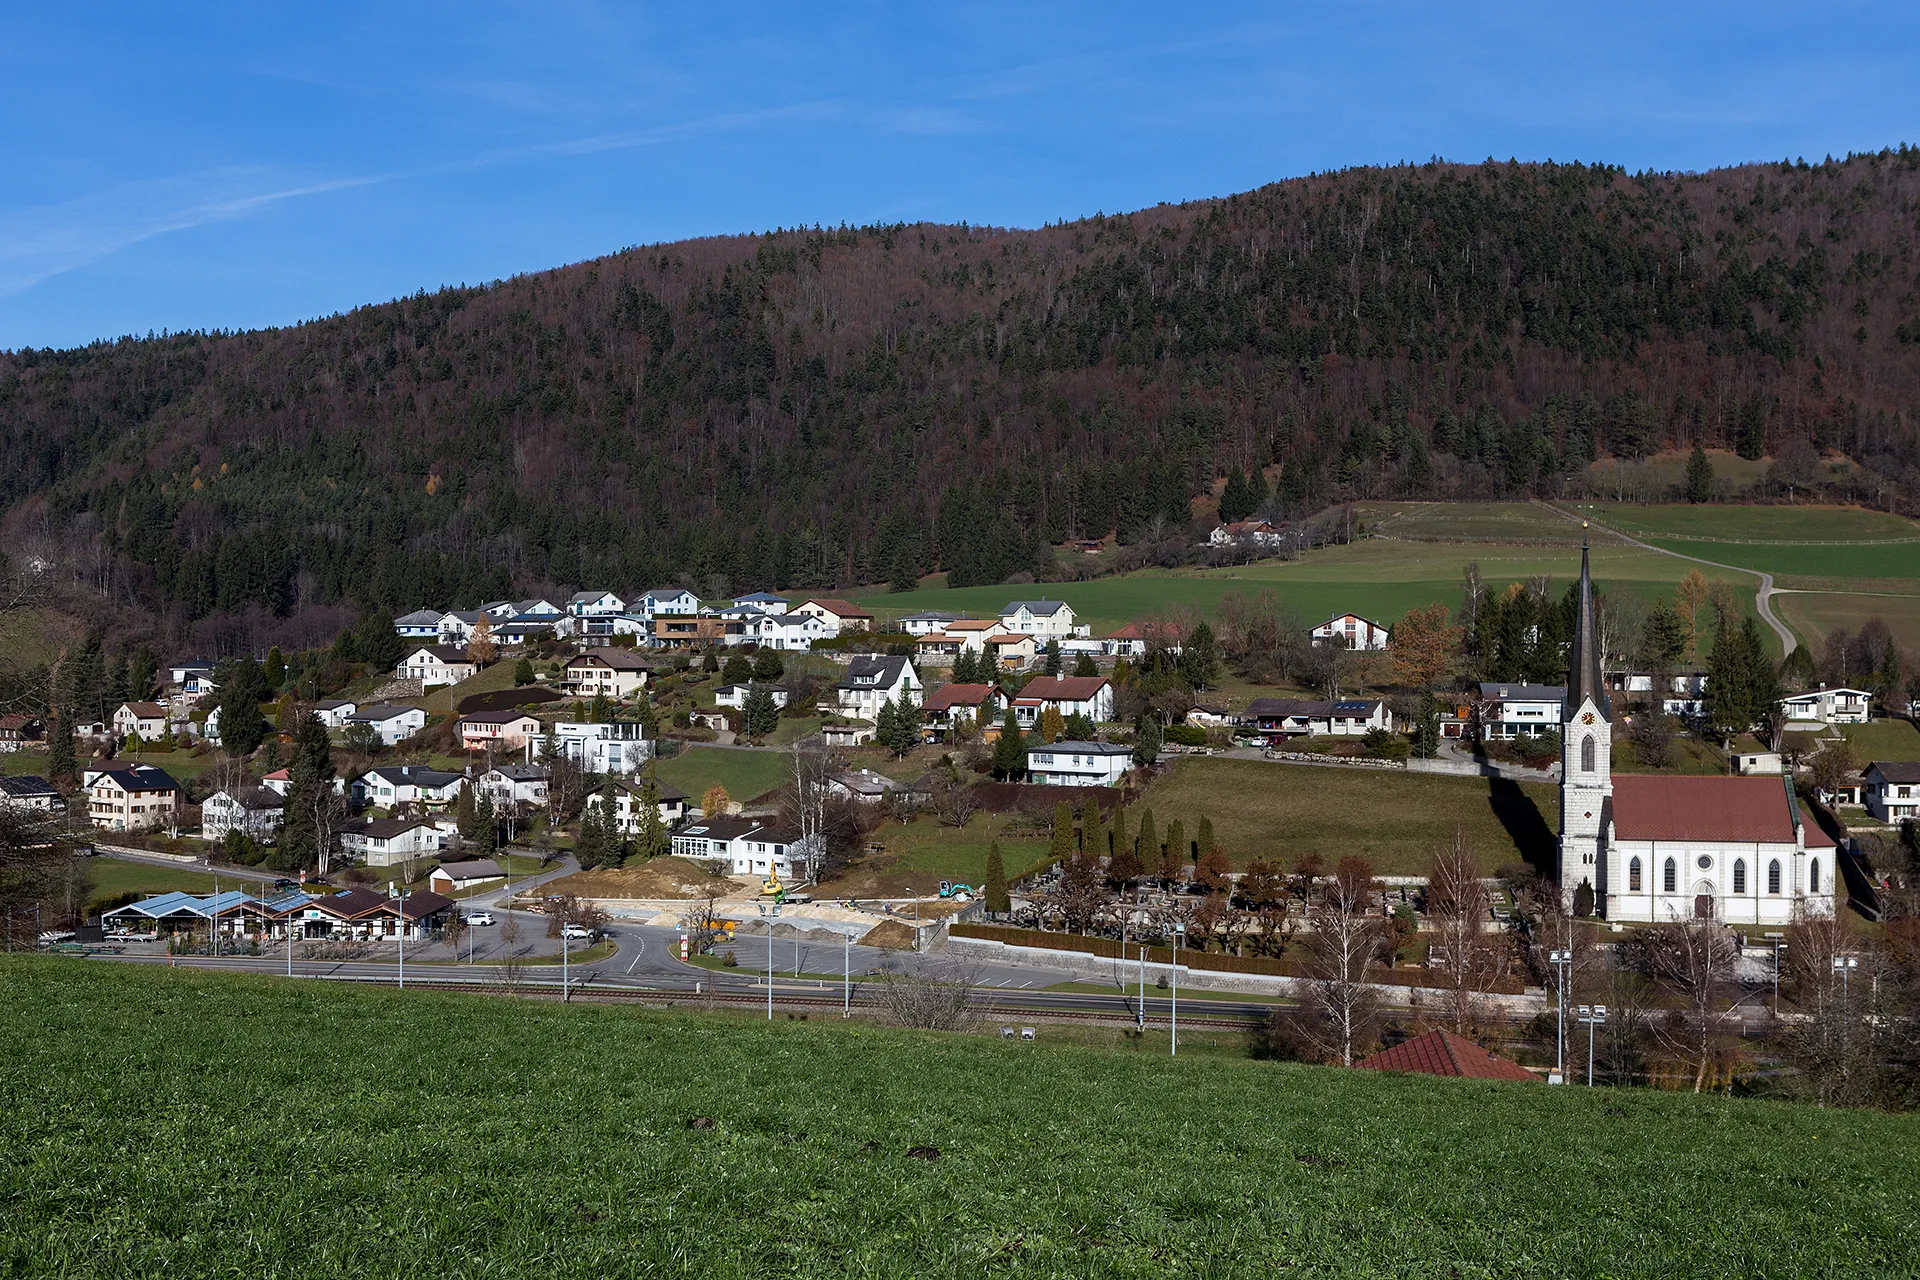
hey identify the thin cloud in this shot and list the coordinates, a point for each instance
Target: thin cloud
(48, 240)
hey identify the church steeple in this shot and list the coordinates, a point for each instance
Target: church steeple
(1584, 679)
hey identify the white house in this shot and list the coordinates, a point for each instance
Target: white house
(456, 877)
(537, 611)
(505, 730)
(457, 628)
(399, 784)
(1078, 764)
(148, 719)
(333, 712)
(1352, 630)
(1828, 706)
(256, 812)
(391, 723)
(926, 624)
(873, 681)
(386, 842)
(509, 784)
(617, 748)
(1684, 696)
(600, 628)
(18, 729)
(617, 673)
(421, 624)
(1893, 789)
(130, 797)
(1089, 696)
(748, 847)
(766, 602)
(786, 631)
(1509, 711)
(1256, 533)
(1041, 618)
(1129, 641)
(1281, 718)
(630, 805)
(433, 664)
(1750, 755)
(1012, 652)
(735, 695)
(595, 604)
(27, 791)
(673, 601)
(836, 615)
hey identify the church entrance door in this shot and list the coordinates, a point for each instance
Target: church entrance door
(1702, 902)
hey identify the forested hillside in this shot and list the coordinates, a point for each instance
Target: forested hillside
(817, 408)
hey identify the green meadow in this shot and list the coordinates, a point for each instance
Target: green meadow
(290, 1128)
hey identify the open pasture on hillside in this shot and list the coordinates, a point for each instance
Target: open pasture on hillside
(1816, 613)
(1395, 820)
(745, 774)
(1807, 542)
(295, 1128)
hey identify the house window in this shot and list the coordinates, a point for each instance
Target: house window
(1633, 876)
(1813, 876)
(1669, 877)
(1586, 754)
(1773, 876)
(1739, 875)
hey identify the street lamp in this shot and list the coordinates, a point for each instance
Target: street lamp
(1593, 1016)
(1779, 945)
(1844, 966)
(1173, 1044)
(770, 911)
(1562, 961)
(846, 979)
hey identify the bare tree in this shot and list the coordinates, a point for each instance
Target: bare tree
(809, 770)
(1457, 902)
(510, 958)
(1081, 894)
(1341, 1009)
(1837, 1039)
(936, 999)
(954, 802)
(1694, 959)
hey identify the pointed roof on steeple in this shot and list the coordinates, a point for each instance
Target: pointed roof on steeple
(1584, 680)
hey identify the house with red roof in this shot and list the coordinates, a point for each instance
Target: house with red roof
(1089, 696)
(1442, 1053)
(836, 615)
(946, 706)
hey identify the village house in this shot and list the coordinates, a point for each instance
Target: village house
(17, 731)
(433, 664)
(1509, 711)
(735, 695)
(333, 712)
(1828, 707)
(28, 791)
(390, 786)
(457, 627)
(696, 631)
(390, 724)
(788, 631)
(873, 681)
(539, 611)
(950, 704)
(600, 628)
(1078, 764)
(766, 602)
(147, 719)
(926, 624)
(386, 842)
(868, 787)
(366, 915)
(1351, 630)
(669, 602)
(421, 624)
(1011, 653)
(837, 615)
(1685, 695)
(458, 877)
(1278, 719)
(1211, 717)
(1128, 642)
(1042, 618)
(130, 797)
(614, 673)
(1893, 790)
(748, 847)
(1089, 696)
(507, 785)
(255, 812)
(1256, 533)
(505, 730)
(595, 604)
(617, 748)
(630, 804)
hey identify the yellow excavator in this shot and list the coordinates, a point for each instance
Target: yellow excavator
(772, 888)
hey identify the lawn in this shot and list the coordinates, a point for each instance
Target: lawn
(488, 680)
(1394, 820)
(745, 774)
(300, 1128)
(1817, 542)
(109, 878)
(1689, 756)
(1884, 740)
(927, 852)
(1815, 614)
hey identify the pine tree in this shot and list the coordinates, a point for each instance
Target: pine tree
(600, 711)
(1204, 838)
(1062, 846)
(61, 765)
(1699, 475)
(486, 827)
(1052, 652)
(1146, 742)
(1728, 695)
(593, 845)
(274, 671)
(768, 665)
(1083, 666)
(654, 841)
(523, 672)
(1200, 658)
(242, 727)
(1093, 837)
(964, 669)
(1147, 840)
(737, 670)
(1177, 841)
(759, 713)
(904, 734)
(1119, 840)
(463, 814)
(996, 886)
(1010, 750)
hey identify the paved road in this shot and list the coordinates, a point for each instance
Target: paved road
(1763, 602)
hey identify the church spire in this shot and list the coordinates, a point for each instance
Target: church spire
(1584, 680)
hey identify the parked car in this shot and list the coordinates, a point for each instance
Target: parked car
(480, 917)
(577, 933)
(284, 883)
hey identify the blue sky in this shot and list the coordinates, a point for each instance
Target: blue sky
(231, 166)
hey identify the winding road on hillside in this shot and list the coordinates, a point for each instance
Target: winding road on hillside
(1762, 603)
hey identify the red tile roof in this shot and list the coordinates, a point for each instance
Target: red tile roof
(1062, 689)
(949, 696)
(1442, 1053)
(841, 608)
(1129, 632)
(1755, 808)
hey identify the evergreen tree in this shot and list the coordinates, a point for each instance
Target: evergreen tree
(1052, 652)
(768, 665)
(1200, 658)
(904, 733)
(1052, 725)
(309, 782)
(242, 727)
(464, 817)
(523, 672)
(1119, 840)
(141, 675)
(1663, 641)
(1147, 840)
(1062, 846)
(1763, 681)
(1010, 749)
(759, 714)
(274, 671)
(377, 643)
(1177, 841)
(486, 827)
(1426, 727)
(1699, 475)
(996, 886)
(883, 723)
(965, 670)
(654, 841)
(1147, 739)
(600, 711)
(736, 670)
(1204, 840)
(1084, 666)
(1729, 695)
(710, 661)
(595, 841)
(61, 765)
(1093, 836)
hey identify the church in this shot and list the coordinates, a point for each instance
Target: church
(1657, 847)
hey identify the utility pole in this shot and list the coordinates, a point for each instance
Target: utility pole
(1593, 1016)
(1562, 962)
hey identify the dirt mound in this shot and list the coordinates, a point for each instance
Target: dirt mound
(891, 934)
(661, 878)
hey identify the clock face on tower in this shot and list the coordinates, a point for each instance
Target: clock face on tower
(1586, 718)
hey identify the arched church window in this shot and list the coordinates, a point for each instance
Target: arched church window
(1586, 754)
(1739, 875)
(1633, 875)
(1813, 876)
(1669, 877)
(1773, 876)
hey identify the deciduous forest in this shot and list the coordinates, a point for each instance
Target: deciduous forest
(816, 408)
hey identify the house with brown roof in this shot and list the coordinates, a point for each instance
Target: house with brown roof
(836, 615)
(148, 719)
(130, 797)
(1089, 696)
(1442, 1053)
(507, 730)
(432, 664)
(16, 731)
(946, 706)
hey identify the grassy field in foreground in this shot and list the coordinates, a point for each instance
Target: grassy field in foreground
(1396, 821)
(306, 1129)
